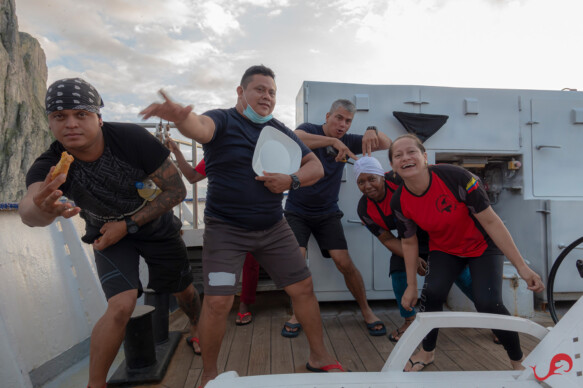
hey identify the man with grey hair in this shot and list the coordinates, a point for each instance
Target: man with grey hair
(314, 209)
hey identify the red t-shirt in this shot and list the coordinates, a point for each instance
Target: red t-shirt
(445, 211)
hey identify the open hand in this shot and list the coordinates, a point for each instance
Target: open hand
(47, 198)
(168, 110)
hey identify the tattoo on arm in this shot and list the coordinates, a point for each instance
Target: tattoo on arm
(168, 179)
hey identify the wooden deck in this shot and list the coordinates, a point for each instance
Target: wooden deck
(258, 348)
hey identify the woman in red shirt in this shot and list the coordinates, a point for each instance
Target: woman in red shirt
(449, 203)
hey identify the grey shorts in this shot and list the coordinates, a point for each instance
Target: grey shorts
(225, 247)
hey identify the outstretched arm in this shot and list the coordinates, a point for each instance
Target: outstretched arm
(503, 240)
(198, 127)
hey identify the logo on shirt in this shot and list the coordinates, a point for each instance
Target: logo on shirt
(445, 204)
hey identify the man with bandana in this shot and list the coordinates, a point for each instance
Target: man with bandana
(112, 162)
(244, 213)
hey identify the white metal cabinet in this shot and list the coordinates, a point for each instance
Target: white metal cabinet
(556, 147)
(479, 119)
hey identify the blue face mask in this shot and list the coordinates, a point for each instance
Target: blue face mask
(254, 116)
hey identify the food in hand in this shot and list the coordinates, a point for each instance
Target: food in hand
(63, 166)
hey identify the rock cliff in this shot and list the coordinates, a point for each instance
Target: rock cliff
(24, 131)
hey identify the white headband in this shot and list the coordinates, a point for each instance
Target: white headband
(367, 165)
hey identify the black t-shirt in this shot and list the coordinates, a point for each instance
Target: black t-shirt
(322, 197)
(445, 210)
(105, 189)
(233, 194)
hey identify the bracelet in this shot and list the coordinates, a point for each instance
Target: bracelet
(372, 128)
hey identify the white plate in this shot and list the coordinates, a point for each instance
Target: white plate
(276, 152)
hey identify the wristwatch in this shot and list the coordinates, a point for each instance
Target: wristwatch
(373, 128)
(295, 183)
(132, 227)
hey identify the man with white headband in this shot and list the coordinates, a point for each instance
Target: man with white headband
(375, 212)
(111, 160)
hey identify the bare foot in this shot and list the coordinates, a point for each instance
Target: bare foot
(517, 365)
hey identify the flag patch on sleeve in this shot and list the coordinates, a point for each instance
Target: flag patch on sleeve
(472, 185)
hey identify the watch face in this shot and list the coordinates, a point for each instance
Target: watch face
(132, 227)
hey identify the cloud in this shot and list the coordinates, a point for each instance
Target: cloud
(198, 49)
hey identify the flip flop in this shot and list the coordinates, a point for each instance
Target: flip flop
(294, 331)
(190, 340)
(325, 368)
(423, 365)
(376, 332)
(241, 317)
(396, 337)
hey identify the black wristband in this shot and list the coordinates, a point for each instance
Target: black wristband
(373, 128)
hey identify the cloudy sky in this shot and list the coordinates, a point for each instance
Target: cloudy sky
(197, 50)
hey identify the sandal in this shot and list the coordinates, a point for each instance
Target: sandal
(291, 330)
(240, 321)
(395, 336)
(190, 340)
(423, 365)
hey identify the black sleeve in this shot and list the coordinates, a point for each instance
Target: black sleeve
(366, 220)
(464, 185)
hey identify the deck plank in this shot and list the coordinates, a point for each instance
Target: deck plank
(281, 353)
(372, 361)
(260, 350)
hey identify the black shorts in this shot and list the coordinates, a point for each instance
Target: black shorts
(167, 260)
(326, 228)
(226, 246)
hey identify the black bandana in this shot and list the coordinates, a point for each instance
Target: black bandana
(72, 93)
